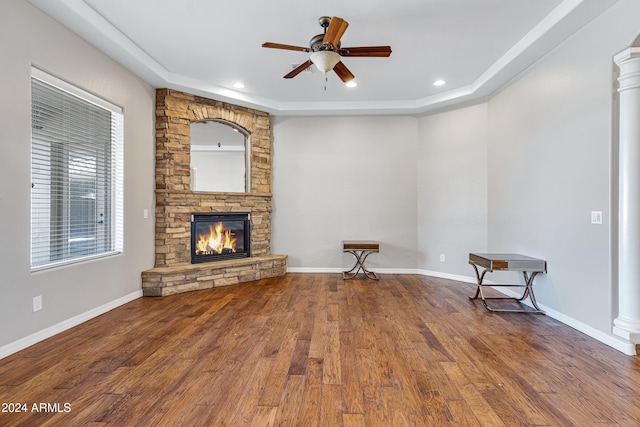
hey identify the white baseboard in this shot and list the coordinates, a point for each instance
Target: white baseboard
(395, 270)
(314, 270)
(465, 279)
(610, 340)
(42, 335)
(340, 270)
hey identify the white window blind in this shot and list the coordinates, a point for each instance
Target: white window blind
(76, 174)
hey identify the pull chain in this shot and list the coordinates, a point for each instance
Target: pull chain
(326, 79)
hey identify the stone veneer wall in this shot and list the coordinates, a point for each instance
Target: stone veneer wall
(175, 201)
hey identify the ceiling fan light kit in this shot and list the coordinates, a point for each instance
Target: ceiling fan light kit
(326, 50)
(325, 60)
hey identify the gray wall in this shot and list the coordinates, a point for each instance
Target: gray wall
(339, 178)
(551, 140)
(453, 190)
(27, 37)
(418, 185)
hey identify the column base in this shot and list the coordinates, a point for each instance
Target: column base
(627, 329)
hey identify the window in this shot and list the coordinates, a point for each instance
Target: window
(76, 174)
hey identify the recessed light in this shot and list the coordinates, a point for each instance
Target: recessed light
(439, 83)
(351, 83)
(238, 85)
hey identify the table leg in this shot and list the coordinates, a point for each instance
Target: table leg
(528, 292)
(479, 279)
(361, 256)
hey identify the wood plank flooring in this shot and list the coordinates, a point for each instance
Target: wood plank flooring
(316, 350)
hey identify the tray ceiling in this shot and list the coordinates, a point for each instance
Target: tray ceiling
(205, 47)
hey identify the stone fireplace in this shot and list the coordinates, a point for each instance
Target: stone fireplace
(176, 203)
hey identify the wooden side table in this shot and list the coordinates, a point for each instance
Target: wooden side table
(360, 249)
(529, 267)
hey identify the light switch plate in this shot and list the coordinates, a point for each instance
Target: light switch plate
(596, 217)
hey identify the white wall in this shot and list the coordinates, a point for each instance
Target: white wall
(28, 37)
(337, 178)
(452, 189)
(550, 165)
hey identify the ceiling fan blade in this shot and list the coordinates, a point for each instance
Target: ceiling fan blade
(343, 72)
(286, 47)
(337, 27)
(300, 68)
(378, 51)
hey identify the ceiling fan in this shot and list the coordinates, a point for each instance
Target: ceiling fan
(326, 50)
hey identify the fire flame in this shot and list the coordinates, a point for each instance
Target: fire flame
(217, 241)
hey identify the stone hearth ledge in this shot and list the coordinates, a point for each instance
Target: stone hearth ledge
(164, 281)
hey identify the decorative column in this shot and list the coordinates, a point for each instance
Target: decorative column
(627, 324)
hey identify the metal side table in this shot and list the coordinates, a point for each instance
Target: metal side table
(529, 267)
(360, 249)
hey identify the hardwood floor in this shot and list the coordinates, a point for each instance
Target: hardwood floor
(316, 350)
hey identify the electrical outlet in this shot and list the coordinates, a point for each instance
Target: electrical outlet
(37, 303)
(442, 258)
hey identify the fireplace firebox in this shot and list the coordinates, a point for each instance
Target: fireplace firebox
(220, 236)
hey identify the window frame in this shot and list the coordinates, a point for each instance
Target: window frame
(109, 194)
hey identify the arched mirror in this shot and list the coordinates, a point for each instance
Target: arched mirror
(219, 157)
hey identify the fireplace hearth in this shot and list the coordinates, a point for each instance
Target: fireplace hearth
(220, 236)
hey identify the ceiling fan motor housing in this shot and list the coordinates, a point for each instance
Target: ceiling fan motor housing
(316, 44)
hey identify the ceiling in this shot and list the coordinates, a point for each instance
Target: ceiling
(205, 47)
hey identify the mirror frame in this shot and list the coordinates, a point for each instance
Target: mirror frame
(247, 151)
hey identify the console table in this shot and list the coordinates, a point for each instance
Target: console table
(360, 249)
(529, 267)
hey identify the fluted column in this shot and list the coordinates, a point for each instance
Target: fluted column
(627, 324)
